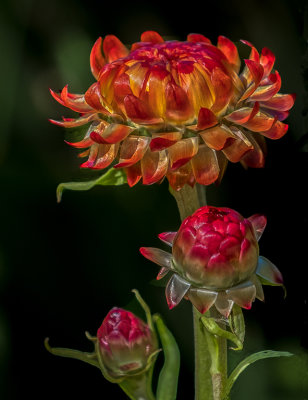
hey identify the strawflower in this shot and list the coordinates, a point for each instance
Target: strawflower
(177, 109)
(215, 260)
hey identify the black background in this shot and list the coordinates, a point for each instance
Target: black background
(63, 266)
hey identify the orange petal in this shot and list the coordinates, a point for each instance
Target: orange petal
(254, 158)
(86, 142)
(97, 60)
(92, 156)
(138, 111)
(259, 123)
(253, 73)
(267, 60)
(222, 163)
(239, 147)
(154, 166)
(206, 119)
(178, 107)
(132, 150)
(114, 48)
(72, 122)
(180, 177)
(266, 92)
(230, 51)
(93, 98)
(161, 141)
(114, 133)
(223, 87)
(197, 38)
(243, 114)
(254, 55)
(75, 102)
(133, 174)
(57, 97)
(277, 130)
(205, 165)
(105, 158)
(137, 74)
(181, 152)
(218, 137)
(280, 102)
(155, 90)
(152, 37)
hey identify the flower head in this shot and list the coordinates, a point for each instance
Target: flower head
(215, 260)
(125, 343)
(177, 109)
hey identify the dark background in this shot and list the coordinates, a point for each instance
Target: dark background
(63, 266)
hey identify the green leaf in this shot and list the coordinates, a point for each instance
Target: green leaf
(237, 322)
(113, 176)
(250, 360)
(212, 326)
(168, 377)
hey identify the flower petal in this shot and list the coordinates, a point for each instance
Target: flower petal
(154, 166)
(158, 256)
(266, 92)
(176, 289)
(167, 237)
(259, 290)
(277, 130)
(205, 165)
(268, 271)
(243, 114)
(223, 304)
(162, 273)
(138, 111)
(261, 122)
(281, 102)
(243, 294)
(256, 157)
(230, 51)
(152, 37)
(183, 151)
(133, 174)
(197, 38)
(222, 84)
(178, 107)
(132, 150)
(163, 140)
(114, 48)
(105, 156)
(115, 133)
(254, 55)
(181, 176)
(72, 122)
(239, 147)
(267, 60)
(253, 73)
(206, 119)
(218, 137)
(258, 222)
(75, 102)
(97, 60)
(94, 98)
(202, 299)
(82, 144)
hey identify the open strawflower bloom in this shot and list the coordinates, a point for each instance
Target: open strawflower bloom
(215, 260)
(175, 109)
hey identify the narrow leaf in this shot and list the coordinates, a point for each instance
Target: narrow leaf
(113, 176)
(237, 323)
(249, 360)
(212, 326)
(168, 377)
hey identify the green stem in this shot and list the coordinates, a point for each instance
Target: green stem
(138, 387)
(210, 366)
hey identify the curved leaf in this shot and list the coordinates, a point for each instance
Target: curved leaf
(212, 326)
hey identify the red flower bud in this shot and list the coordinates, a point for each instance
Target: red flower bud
(215, 260)
(125, 342)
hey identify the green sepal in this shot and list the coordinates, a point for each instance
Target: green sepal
(113, 177)
(270, 283)
(145, 308)
(168, 377)
(211, 325)
(237, 322)
(248, 361)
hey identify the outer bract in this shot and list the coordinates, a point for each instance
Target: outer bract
(215, 260)
(177, 109)
(125, 343)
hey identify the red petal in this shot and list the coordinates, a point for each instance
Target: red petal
(266, 92)
(75, 102)
(253, 74)
(154, 166)
(267, 60)
(181, 152)
(205, 165)
(87, 142)
(72, 122)
(161, 141)
(138, 111)
(93, 97)
(97, 60)
(121, 87)
(115, 133)
(218, 137)
(281, 102)
(243, 114)
(167, 237)
(114, 48)
(254, 55)
(239, 147)
(133, 174)
(196, 37)
(223, 89)
(178, 107)
(132, 150)
(230, 51)
(277, 130)
(258, 222)
(105, 156)
(206, 119)
(254, 158)
(181, 176)
(57, 97)
(152, 37)
(259, 123)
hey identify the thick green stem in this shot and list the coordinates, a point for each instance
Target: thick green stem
(210, 366)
